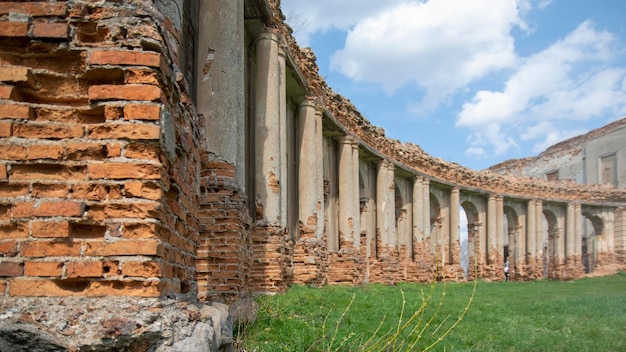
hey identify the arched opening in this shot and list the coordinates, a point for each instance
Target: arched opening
(509, 240)
(592, 227)
(549, 244)
(464, 255)
(469, 212)
(436, 222)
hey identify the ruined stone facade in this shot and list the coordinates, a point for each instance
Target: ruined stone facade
(162, 155)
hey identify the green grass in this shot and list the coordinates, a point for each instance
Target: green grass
(583, 315)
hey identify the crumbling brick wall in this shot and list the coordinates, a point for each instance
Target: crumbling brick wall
(99, 158)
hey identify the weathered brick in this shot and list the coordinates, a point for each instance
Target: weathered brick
(141, 76)
(38, 249)
(39, 172)
(123, 171)
(125, 92)
(3, 287)
(5, 128)
(38, 209)
(84, 231)
(12, 152)
(15, 111)
(13, 190)
(140, 230)
(142, 269)
(124, 247)
(50, 190)
(113, 112)
(37, 9)
(3, 172)
(85, 151)
(11, 269)
(45, 131)
(17, 74)
(142, 151)
(125, 57)
(43, 269)
(14, 230)
(83, 269)
(8, 249)
(114, 150)
(136, 210)
(7, 92)
(89, 191)
(125, 131)
(35, 152)
(13, 29)
(50, 229)
(148, 190)
(142, 112)
(50, 30)
(82, 287)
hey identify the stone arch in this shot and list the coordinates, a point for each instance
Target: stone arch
(549, 244)
(403, 215)
(510, 237)
(436, 223)
(473, 248)
(592, 228)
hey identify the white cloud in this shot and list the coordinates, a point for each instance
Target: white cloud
(438, 45)
(311, 16)
(571, 80)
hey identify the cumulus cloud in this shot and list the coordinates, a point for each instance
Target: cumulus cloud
(438, 45)
(570, 80)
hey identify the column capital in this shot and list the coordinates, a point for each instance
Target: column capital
(345, 139)
(266, 34)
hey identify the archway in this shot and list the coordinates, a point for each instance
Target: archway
(509, 239)
(468, 211)
(593, 226)
(435, 225)
(549, 244)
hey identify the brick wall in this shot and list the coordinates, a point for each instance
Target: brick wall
(99, 169)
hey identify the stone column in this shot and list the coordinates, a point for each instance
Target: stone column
(346, 190)
(319, 151)
(455, 231)
(220, 88)
(531, 230)
(491, 227)
(426, 202)
(267, 127)
(356, 201)
(282, 110)
(309, 176)
(570, 231)
(578, 235)
(539, 230)
(500, 231)
(418, 210)
(383, 222)
(391, 204)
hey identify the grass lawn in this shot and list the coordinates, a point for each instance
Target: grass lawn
(583, 315)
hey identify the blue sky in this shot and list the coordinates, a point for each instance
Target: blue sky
(475, 82)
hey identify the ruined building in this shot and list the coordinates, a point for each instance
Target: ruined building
(158, 157)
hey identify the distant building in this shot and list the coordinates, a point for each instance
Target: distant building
(597, 157)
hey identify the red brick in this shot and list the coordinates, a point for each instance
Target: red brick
(6, 92)
(13, 190)
(44, 131)
(141, 76)
(39, 172)
(12, 152)
(114, 150)
(5, 128)
(125, 131)
(135, 210)
(50, 190)
(8, 249)
(112, 112)
(142, 112)
(3, 172)
(50, 249)
(85, 151)
(142, 269)
(124, 92)
(10, 269)
(44, 8)
(50, 30)
(63, 208)
(140, 230)
(13, 29)
(54, 152)
(14, 230)
(119, 57)
(50, 229)
(142, 151)
(124, 171)
(43, 269)
(17, 74)
(83, 269)
(124, 247)
(15, 111)
(75, 287)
